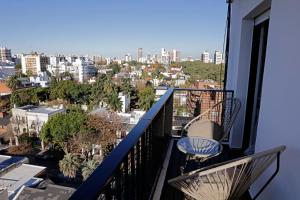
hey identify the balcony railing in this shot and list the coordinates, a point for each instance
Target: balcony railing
(132, 168)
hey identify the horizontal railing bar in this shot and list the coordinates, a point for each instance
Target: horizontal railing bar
(202, 90)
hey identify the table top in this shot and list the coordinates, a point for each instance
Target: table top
(199, 147)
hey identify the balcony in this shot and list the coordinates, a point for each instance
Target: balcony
(139, 167)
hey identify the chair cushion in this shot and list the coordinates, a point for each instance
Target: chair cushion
(205, 128)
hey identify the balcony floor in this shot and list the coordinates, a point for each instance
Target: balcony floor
(177, 159)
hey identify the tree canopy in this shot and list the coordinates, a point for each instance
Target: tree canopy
(203, 71)
(146, 97)
(61, 127)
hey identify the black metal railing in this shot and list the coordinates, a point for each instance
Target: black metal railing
(132, 168)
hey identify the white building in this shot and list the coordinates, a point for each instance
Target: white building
(41, 79)
(86, 69)
(128, 58)
(263, 71)
(71, 58)
(165, 56)
(54, 60)
(16, 174)
(34, 63)
(218, 58)
(205, 57)
(31, 118)
(175, 55)
(125, 99)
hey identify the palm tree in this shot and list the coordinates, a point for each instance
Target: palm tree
(69, 165)
(88, 168)
(146, 98)
(114, 102)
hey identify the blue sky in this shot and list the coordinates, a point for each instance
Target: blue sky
(112, 27)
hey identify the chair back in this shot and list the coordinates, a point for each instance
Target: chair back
(231, 108)
(223, 114)
(228, 180)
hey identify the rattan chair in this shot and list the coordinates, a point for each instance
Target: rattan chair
(216, 122)
(228, 180)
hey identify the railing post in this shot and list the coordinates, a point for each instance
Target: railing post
(168, 115)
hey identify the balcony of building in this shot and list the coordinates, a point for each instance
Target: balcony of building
(140, 166)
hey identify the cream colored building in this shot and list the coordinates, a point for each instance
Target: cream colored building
(34, 63)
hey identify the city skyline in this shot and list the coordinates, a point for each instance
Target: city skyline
(111, 29)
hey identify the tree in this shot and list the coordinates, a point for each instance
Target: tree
(202, 71)
(114, 101)
(88, 167)
(97, 94)
(69, 165)
(61, 127)
(126, 86)
(115, 68)
(24, 97)
(104, 129)
(146, 97)
(13, 82)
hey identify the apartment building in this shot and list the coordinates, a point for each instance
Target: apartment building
(218, 58)
(5, 54)
(34, 63)
(205, 57)
(30, 119)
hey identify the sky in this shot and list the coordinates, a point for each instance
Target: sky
(112, 27)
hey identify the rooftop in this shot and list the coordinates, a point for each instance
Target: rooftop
(51, 191)
(19, 176)
(41, 109)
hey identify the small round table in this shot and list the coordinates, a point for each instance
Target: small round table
(199, 148)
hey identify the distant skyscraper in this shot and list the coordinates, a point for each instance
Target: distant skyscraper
(139, 54)
(205, 57)
(165, 56)
(218, 57)
(5, 54)
(175, 55)
(128, 58)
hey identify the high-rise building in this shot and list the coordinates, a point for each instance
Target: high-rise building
(5, 54)
(139, 54)
(128, 58)
(34, 63)
(218, 57)
(175, 55)
(205, 57)
(165, 57)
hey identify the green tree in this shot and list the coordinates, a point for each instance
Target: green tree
(115, 68)
(146, 97)
(203, 71)
(13, 82)
(97, 94)
(61, 127)
(126, 86)
(24, 96)
(69, 165)
(114, 101)
(88, 167)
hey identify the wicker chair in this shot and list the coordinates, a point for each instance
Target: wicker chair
(228, 180)
(216, 122)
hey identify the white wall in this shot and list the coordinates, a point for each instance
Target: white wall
(280, 103)
(239, 60)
